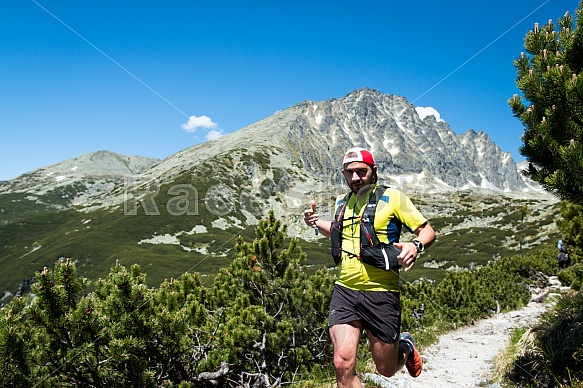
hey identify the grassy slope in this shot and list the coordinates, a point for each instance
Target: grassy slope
(97, 239)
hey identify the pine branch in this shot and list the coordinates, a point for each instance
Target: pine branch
(206, 376)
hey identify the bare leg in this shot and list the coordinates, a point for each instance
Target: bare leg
(345, 339)
(388, 358)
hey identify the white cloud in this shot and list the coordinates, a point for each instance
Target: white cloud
(213, 135)
(428, 111)
(196, 122)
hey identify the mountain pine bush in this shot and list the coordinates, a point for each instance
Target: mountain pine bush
(464, 296)
(572, 276)
(262, 323)
(275, 313)
(549, 77)
(15, 345)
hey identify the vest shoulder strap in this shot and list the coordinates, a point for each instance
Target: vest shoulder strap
(368, 235)
(370, 210)
(339, 216)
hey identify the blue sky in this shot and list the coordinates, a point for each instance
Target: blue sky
(152, 78)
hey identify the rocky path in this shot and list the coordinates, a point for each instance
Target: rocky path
(463, 357)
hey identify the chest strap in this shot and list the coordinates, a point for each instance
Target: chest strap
(368, 236)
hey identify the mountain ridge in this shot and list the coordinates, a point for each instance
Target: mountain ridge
(316, 133)
(302, 145)
(97, 164)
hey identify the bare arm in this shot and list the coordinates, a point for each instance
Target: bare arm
(312, 219)
(425, 234)
(408, 255)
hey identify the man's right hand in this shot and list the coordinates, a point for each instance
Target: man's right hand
(310, 215)
(312, 219)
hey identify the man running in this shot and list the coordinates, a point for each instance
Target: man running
(366, 297)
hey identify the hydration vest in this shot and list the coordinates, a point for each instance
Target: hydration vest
(372, 251)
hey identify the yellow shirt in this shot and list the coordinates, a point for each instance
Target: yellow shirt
(394, 211)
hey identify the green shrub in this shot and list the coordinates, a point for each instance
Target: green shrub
(467, 295)
(572, 276)
(264, 319)
(551, 353)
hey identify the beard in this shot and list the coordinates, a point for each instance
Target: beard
(361, 187)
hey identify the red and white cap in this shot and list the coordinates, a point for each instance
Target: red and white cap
(358, 154)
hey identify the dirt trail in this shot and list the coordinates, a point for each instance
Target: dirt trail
(463, 357)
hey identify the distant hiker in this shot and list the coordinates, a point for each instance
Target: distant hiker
(364, 233)
(563, 257)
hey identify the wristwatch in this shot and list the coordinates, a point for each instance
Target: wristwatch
(418, 245)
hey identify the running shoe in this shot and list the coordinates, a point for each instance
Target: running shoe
(414, 362)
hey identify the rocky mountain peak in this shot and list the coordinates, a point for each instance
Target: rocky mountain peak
(405, 146)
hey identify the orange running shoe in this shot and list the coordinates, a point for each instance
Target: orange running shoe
(414, 362)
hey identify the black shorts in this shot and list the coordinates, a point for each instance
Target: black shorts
(379, 311)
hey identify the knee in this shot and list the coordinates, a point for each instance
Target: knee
(343, 364)
(389, 363)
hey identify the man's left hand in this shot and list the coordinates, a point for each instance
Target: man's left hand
(408, 254)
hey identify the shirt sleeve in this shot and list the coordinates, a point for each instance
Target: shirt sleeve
(409, 215)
